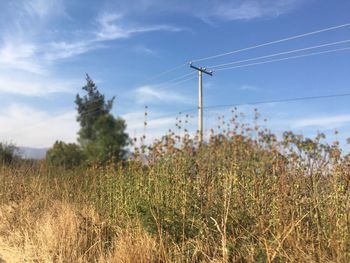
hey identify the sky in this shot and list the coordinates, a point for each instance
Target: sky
(47, 47)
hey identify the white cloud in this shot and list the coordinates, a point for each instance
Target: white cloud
(20, 55)
(250, 9)
(29, 85)
(109, 29)
(112, 28)
(21, 49)
(63, 49)
(27, 126)
(227, 10)
(324, 122)
(43, 8)
(148, 94)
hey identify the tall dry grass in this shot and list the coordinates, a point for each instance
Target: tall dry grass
(242, 197)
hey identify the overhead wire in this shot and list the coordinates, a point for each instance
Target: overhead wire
(166, 72)
(279, 101)
(273, 42)
(253, 103)
(174, 79)
(280, 53)
(283, 59)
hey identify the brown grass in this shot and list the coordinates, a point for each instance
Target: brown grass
(64, 233)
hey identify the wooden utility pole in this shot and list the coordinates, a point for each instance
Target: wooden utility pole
(200, 99)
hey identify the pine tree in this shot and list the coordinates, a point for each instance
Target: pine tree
(101, 136)
(90, 108)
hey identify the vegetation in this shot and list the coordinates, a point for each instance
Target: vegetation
(244, 196)
(108, 140)
(7, 153)
(102, 137)
(66, 155)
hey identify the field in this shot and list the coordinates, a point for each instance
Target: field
(244, 196)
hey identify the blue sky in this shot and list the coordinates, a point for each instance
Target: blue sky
(47, 46)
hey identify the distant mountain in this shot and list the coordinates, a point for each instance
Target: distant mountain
(32, 153)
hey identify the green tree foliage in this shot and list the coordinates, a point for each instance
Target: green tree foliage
(101, 135)
(90, 108)
(7, 153)
(63, 154)
(108, 139)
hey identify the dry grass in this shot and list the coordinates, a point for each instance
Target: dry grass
(64, 233)
(243, 197)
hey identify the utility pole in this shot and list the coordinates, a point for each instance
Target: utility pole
(200, 99)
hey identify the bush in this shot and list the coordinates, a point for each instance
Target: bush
(7, 153)
(64, 154)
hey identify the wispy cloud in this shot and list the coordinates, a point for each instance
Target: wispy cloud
(208, 10)
(35, 86)
(27, 126)
(17, 55)
(324, 122)
(23, 64)
(148, 94)
(63, 49)
(112, 28)
(21, 49)
(27, 60)
(251, 9)
(43, 8)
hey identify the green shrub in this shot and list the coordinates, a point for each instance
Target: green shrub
(7, 153)
(64, 154)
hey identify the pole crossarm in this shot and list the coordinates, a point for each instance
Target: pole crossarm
(204, 70)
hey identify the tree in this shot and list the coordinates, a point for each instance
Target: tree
(101, 135)
(66, 155)
(7, 153)
(90, 108)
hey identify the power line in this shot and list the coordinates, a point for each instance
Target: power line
(287, 58)
(174, 79)
(166, 72)
(274, 42)
(280, 101)
(254, 103)
(182, 81)
(279, 54)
